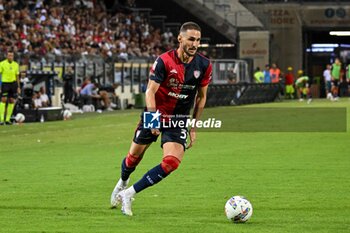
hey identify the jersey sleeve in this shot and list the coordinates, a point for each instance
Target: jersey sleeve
(207, 76)
(158, 71)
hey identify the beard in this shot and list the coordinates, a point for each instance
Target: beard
(189, 52)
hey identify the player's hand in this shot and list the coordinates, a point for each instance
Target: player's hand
(155, 132)
(193, 136)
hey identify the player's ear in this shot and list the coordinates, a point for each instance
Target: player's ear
(179, 37)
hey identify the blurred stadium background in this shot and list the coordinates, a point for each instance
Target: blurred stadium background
(117, 41)
(57, 176)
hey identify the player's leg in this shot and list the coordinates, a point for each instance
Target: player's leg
(105, 99)
(2, 110)
(142, 140)
(307, 93)
(12, 95)
(335, 90)
(9, 111)
(329, 90)
(4, 94)
(173, 143)
(301, 95)
(292, 92)
(128, 166)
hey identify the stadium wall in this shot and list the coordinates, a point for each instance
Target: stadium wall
(286, 23)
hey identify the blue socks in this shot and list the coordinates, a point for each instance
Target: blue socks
(152, 177)
(126, 171)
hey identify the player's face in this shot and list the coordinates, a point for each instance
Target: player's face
(189, 41)
(10, 57)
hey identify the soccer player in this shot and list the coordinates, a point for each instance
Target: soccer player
(178, 80)
(10, 88)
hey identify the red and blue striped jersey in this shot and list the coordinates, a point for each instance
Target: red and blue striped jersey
(179, 82)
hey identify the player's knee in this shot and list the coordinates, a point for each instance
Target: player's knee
(170, 163)
(133, 160)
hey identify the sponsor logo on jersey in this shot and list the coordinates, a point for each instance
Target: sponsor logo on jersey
(173, 82)
(173, 71)
(196, 73)
(177, 96)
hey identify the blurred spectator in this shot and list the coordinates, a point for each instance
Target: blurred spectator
(37, 100)
(231, 76)
(344, 87)
(267, 76)
(289, 82)
(91, 95)
(336, 74)
(258, 75)
(302, 84)
(275, 73)
(45, 102)
(328, 81)
(47, 30)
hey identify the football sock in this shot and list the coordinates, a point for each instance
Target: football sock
(132, 160)
(10, 107)
(2, 111)
(126, 171)
(152, 177)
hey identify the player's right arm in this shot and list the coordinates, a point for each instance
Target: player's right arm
(152, 88)
(157, 75)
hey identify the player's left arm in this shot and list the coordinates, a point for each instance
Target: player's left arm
(201, 98)
(18, 80)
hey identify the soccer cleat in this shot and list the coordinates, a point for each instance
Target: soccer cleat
(309, 101)
(126, 203)
(301, 100)
(115, 199)
(2, 123)
(8, 123)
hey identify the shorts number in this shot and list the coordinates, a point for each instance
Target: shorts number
(183, 134)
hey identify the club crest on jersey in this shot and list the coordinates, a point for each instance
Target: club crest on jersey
(196, 73)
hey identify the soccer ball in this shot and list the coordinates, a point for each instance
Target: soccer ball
(20, 118)
(67, 114)
(238, 209)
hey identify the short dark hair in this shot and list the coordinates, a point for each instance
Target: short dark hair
(190, 26)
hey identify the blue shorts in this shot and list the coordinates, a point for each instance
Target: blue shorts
(144, 136)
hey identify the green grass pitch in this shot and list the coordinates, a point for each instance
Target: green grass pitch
(58, 177)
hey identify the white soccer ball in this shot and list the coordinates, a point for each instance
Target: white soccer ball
(67, 114)
(20, 118)
(238, 209)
